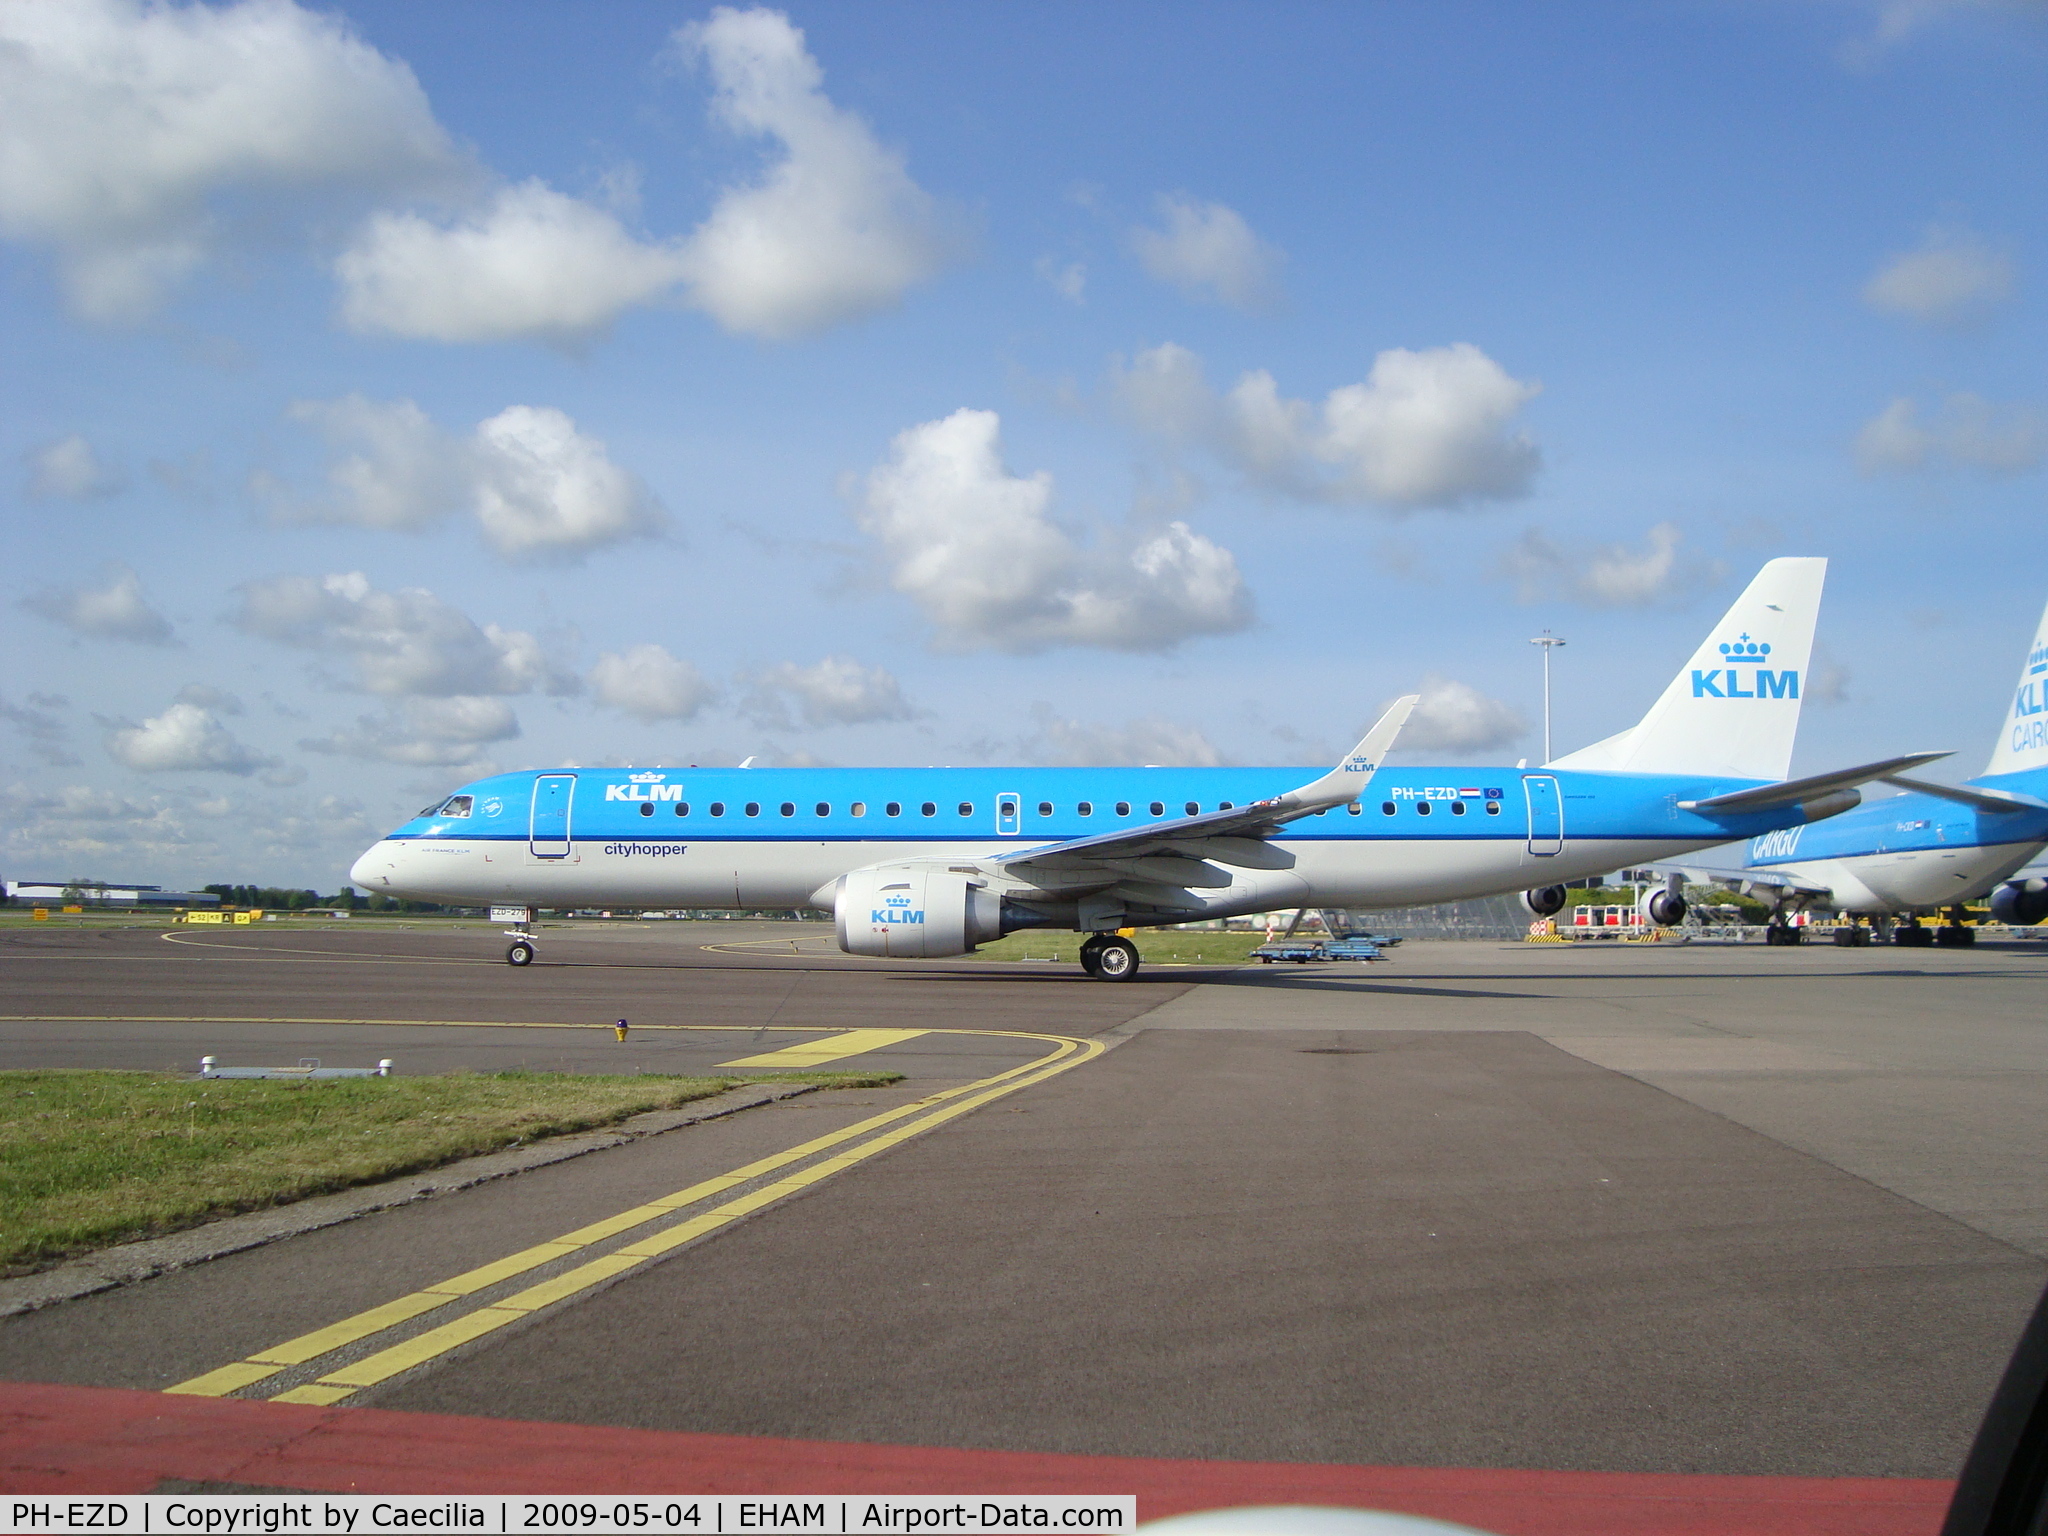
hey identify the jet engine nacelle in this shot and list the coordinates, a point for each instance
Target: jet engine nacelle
(1545, 901)
(1666, 909)
(911, 913)
(2020, 903)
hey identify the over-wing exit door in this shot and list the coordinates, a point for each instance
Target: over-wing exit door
(552, 793)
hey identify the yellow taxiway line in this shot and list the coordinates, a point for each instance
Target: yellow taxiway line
(894, 1127)
(815, 1053)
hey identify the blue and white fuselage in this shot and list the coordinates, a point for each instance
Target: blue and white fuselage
(765, 838)
(1937, 845)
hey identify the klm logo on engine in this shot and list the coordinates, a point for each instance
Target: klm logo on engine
(1781, 844)
(896, 909)
(1744, 660)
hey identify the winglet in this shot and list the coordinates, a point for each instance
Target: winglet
(1346, 782)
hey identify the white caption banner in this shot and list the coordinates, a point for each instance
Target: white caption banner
(365, 1514)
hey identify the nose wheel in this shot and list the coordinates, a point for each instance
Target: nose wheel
(520, 952)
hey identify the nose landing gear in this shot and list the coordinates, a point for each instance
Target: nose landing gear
(520, 952)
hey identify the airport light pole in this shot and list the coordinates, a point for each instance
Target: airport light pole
(1549, 642)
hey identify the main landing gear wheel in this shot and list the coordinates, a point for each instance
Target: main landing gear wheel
(521, 953)
(1116, 960)
(1912, 935)
(1784, 933)
(1091, 955)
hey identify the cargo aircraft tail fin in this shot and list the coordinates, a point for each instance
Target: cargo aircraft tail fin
(1733, 709)
(2023, 738)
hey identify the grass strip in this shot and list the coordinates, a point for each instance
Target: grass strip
(1160, 946)
(90, 1158)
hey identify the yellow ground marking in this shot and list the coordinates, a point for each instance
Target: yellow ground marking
(1067, 1052)
(748, 1029)
(339, 1384)
(812, 1053)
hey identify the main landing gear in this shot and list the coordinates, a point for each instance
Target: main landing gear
(1784, 933)
(1955, 932)
(1855, 936)
(1912, 935)
(1110, 957)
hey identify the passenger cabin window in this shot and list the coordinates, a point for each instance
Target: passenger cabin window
(966, 807)
(1422, 807)
(682, 807)
(894, 808)
(1086, 808)
(824, 809)
(1158, 808)
(1457, 807)
(929, 808)
(789, 808)
(1006, 808)
(753, 807)
(718, 807)
(1223, 805)
(646, 808)
(1493, 807)
(1386, 807)
(1045, 807)
(458, 805)
(858, 808)
(1194, 809)
(1354, 807)
(1123, 807)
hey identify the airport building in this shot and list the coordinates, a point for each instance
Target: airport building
(100, 893)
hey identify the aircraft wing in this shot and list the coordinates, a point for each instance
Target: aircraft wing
(1165, 858)
(1746, 880)
(2002, 801)
(1793, 791)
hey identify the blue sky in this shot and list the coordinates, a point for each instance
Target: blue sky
(398, 392)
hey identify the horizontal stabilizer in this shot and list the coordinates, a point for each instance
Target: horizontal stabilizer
(1794, 791)
(2000, 801)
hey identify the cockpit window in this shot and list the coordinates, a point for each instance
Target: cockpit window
(456, 805)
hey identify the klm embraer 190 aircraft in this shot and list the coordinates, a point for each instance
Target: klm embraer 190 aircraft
(923, 863)
(1938, 846)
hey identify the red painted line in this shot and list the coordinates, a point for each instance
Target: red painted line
(74, 1440)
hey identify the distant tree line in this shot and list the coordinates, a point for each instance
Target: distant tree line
(274, 898)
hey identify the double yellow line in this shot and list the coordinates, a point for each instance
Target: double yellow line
(855, 1144)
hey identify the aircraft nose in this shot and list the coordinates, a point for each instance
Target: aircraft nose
(372, 870)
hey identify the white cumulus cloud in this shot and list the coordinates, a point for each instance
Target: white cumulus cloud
(1151, 741)
(532, 263)
(974, 546)
(1208, 252)
(1456, 717)
(185, 738)
(115, 610)
(835, 691)
(1434, 428)
(1953, 278)
(69, 470)
(833, 229)
(127, 122)
(539, 487)
(649, 682)
(1965, 430)
(398, 643)
(425, 733)
(1616, 575)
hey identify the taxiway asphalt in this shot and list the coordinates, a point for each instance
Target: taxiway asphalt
(1626, 1209)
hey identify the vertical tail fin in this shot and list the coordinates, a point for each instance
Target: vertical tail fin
(1733, 710)
(2023, 739)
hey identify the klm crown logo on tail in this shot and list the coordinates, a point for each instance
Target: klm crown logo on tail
(1745, 660)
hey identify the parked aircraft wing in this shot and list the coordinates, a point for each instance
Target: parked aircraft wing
(2002, 801)
(1795, 791)
(1746, 881)
(1177, 853)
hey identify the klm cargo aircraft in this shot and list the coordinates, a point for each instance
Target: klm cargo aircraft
(923, 863)
(1935, 847)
